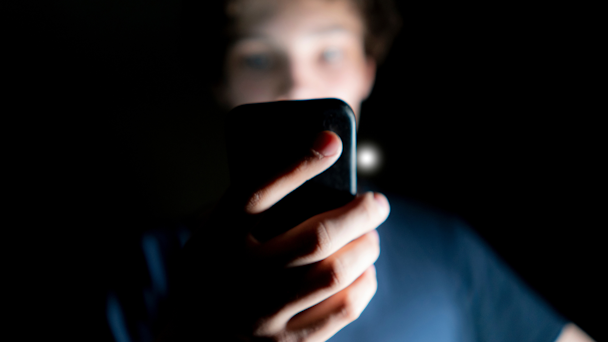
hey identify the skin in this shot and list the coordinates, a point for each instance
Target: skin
(289, 50)
(572, 333)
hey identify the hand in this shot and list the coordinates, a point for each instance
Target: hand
(305, 284)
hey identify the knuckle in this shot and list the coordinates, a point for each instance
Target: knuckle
(348, 308)
(374, 246)
(321, 245)
(336, 274)
(254, 200)
(373, 280)
(368, 207)
(300, 167)
(304, 165)
(371, 286)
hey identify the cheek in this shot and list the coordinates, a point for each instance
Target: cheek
(347, 81)
(249, 89)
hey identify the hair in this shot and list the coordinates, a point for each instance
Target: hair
(382, 23)
(207, 26)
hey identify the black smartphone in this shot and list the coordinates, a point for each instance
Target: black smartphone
(265, 139)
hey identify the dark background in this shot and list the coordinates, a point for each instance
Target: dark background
(486, 111)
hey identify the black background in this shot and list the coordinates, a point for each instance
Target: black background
(486, 111)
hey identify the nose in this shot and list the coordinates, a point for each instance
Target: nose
(297, 82)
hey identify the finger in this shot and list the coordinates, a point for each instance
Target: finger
(325, 151)
(324, 234)
(335, 273)
(324, 320)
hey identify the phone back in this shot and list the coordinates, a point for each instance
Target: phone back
(265, 139)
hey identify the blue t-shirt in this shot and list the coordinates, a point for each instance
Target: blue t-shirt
(437, 281)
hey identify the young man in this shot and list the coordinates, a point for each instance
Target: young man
(435, 280)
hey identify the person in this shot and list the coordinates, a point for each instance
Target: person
(327, 279)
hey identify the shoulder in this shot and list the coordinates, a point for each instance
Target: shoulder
(447, 257)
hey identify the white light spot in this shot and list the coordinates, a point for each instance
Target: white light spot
(369, 158)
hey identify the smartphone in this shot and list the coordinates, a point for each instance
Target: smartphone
(266, 139)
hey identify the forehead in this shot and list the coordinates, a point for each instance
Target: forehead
(290, 18)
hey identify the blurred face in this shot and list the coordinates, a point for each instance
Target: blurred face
(297, 49)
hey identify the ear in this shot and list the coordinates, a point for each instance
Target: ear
(369, 73)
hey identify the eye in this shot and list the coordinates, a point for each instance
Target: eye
(258, 61)
(332, 55)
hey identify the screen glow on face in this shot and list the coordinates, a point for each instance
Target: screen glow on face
(303, 50)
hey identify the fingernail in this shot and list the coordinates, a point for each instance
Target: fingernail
(325, 144)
